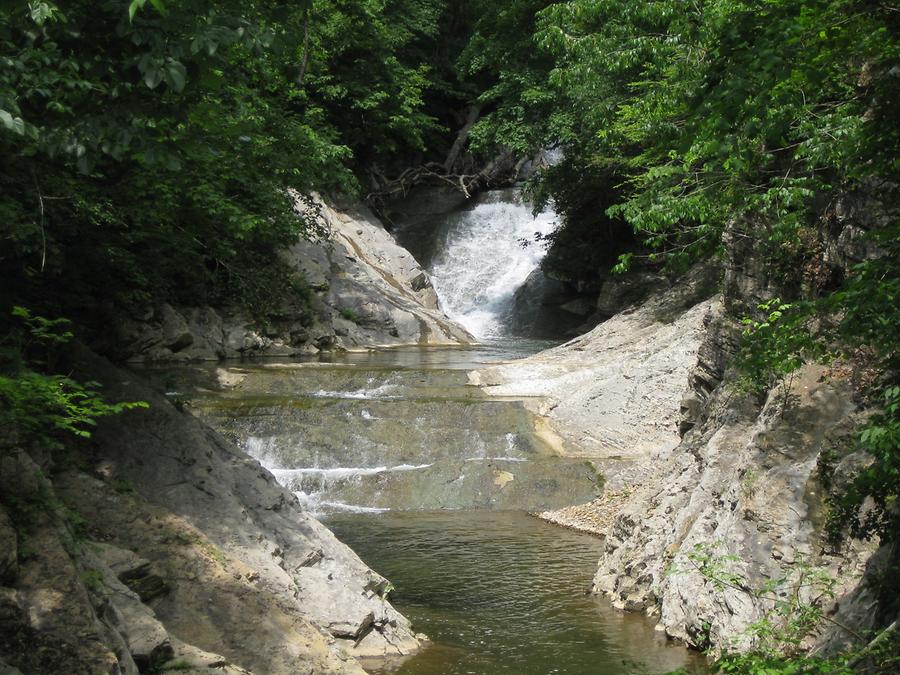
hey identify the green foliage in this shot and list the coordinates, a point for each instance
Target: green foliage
(581, 191)
(879, 481)
(122, 486)
(93, 579)
(882, 655)
(868, 307)
(38, 406)
(796, 602)
(713, 111)
(777, 345)
(149, 149)
(794, 606)
(511, 76)
(349, 314)
(763, 664)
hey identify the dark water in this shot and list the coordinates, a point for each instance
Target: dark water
(501, 592)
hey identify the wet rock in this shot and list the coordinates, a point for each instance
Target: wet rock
(420, 282)
(9, 544)
(176, 335)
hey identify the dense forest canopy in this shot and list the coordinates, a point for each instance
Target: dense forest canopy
(149, 149)
(180, 125)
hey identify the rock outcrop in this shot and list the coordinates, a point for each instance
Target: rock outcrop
(159, 545)
(746, 486)
(361, 290)
(613, 393)
(743, 487)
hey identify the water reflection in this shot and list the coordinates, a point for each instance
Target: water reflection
(501, 592)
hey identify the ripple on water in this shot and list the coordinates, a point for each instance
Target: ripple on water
(501, 592)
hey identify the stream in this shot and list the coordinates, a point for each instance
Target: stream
(430, 481)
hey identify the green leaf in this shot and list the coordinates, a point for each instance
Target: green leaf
(176, 75)
(153, 76)
(134, 7)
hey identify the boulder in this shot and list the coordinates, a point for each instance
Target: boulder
(176, 334)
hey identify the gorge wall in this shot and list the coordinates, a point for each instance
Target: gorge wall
(157, 544)
(708, 469)
(360, 289)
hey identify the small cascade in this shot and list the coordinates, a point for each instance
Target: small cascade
(366, 438)
(488, 252)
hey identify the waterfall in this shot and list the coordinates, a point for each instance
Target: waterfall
(488, 252)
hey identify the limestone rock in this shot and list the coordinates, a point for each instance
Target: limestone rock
(209, 517)
(613, 393)
(48, 623)
(192, 660)
(366, 291)
(137, 573)
(742, 483)
(123, 610)
(176, 335)
(379, 286)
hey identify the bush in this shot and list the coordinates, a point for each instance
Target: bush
(37, 405)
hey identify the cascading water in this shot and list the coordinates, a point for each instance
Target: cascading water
(397, 450)
(487, 253)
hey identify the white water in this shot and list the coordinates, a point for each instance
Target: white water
(483, 262)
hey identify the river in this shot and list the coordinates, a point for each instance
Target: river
(431, 481)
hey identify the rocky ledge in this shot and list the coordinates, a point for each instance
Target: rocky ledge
(362, 290)
(158, 546)
(738, 480)
(613, 394)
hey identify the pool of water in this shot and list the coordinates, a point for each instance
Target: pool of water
(502, 592)
(429, 481)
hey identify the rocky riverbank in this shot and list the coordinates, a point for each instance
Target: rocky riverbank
(612, 394)
(360, 290)
(159, 545)
(710, 468)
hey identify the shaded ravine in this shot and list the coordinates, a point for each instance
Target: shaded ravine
(430, 480)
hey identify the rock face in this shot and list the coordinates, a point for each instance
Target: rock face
(745, 486)
(185, 554)
(613, 393)
(362, 290)
(381, 294)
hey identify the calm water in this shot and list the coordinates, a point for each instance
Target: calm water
(501, 592)
(497, 591)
